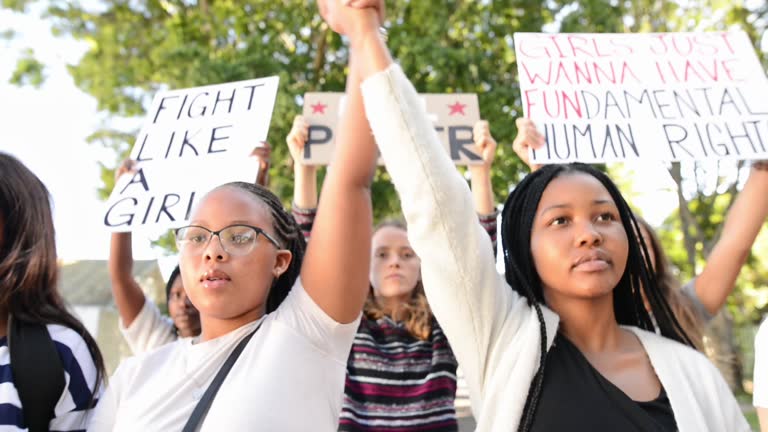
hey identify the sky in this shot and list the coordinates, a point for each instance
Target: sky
(46, 129)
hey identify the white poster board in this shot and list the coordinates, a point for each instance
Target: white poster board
(454, 116)
(657, 96)
(191, 141)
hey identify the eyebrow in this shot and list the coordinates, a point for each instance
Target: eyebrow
(564, 206)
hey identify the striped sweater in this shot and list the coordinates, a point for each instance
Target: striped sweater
(73, 409)
(398, 383)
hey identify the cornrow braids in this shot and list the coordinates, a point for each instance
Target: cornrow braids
(287, 233)
(516, 227)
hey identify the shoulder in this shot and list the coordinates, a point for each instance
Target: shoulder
(72, 349)
(664, 352)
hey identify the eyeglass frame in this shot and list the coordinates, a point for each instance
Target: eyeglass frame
(259, 231)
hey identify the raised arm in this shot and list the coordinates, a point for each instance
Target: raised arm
(742, 224)
(129, 298)
(482, 190)
(304, 176)
(480, 181)
(470, 299)
(304, 206)
(336, 267)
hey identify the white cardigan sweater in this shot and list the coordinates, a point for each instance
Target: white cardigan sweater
(493, 331)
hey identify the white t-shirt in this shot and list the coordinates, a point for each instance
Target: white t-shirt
(149, 330)
(760, 374)
(290, 377)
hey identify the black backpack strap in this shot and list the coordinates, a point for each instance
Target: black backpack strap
(204, 404)
(38, 374)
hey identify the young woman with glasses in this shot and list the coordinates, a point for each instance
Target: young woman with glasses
(244, 268)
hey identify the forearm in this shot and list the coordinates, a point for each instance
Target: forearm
(129, 298)
(335, 272)
(305, 186)
(482, 190)
(742, 225)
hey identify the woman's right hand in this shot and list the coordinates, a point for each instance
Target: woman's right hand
(527, 137)
(297, 138)
(126, 166)
(352, 18)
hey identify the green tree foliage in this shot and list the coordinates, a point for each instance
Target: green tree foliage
(138, 48)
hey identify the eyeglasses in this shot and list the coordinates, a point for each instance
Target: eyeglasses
(235, 239)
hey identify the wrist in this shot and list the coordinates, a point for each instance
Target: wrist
(304, 170)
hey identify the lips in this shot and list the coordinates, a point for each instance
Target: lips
(394, 276)
(215, 279)
(593, 261)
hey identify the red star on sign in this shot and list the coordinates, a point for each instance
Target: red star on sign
(457, 108)
(318, 108)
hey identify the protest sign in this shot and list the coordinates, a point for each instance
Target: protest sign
(191, 141)
(658, 96)
(453, 115)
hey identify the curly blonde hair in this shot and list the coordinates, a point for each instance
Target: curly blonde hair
(416, 313)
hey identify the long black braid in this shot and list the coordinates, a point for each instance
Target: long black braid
(289, 236)
(516, 227)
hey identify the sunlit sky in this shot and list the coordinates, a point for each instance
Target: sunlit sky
(46, 128)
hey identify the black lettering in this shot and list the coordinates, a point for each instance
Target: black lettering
(137, 178)
(230, 99)
(313, 139)
(128, 221)
(458, 145)
(202, 111)
(215, 138)
(141, 150)
(676, 140)
(253, 91)
(187, 143)
(165, 206)
(162, 107)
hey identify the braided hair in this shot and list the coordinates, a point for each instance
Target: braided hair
(516, 228)
(287, 234)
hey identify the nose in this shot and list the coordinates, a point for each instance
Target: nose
(588, 235)
(214, 250)
(394, 261)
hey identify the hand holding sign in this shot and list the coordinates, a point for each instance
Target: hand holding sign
(297, 138)
(485, 144)
(528, 138)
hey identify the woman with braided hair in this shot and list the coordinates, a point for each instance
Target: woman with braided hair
(277, 323)
(563, 342)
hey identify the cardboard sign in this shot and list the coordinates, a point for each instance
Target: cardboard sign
(192, 141)
(454, 117)
(662, 96)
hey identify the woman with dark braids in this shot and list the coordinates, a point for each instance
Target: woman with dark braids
(142, 324)
(564, 343)
(700, 299)
(244, 268)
